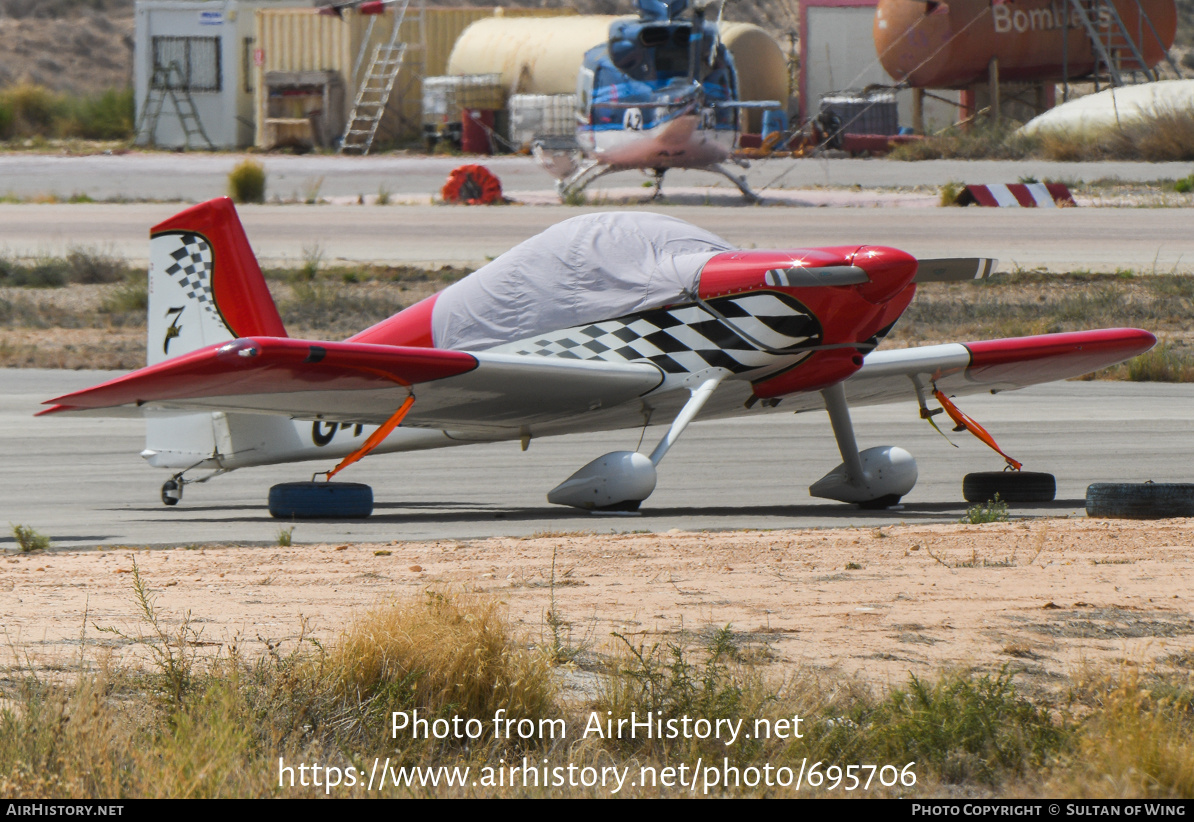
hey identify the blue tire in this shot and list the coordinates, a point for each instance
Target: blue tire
(320, 500)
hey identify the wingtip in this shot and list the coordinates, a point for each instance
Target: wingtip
(54, 408)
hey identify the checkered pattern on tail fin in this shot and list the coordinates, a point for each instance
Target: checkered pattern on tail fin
(192, 269)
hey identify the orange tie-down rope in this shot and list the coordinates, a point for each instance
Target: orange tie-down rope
(375, 438)
(973, 427)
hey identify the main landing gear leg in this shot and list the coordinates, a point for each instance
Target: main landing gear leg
(573, 185)
(658, 175)
(621, 480)
(874, 478)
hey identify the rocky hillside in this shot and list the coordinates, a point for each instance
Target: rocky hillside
(82, 46)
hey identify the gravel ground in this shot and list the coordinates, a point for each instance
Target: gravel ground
(1046, 596)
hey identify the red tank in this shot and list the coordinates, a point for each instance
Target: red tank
(950, 43)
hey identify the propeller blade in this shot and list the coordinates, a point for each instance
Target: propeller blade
(800, 277)
(954, 269)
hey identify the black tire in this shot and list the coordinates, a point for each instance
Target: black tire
(320, 500)
(1145, 500)
(1011, 486)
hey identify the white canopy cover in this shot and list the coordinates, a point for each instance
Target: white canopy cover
(587, 269)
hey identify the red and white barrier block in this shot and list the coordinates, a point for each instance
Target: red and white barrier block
(1018, 195)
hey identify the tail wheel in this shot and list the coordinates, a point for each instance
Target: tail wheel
(171, 492)
(1011, 486)
(1146, 500)
(320, 500)
(472, 185)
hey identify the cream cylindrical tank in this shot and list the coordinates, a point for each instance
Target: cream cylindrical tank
(761, 65)
(533, 55)
(950, 43)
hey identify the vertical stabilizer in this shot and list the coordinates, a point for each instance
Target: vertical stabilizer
(205, 287)
(204, 283)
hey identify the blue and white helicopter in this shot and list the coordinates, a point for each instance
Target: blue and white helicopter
(660, 93)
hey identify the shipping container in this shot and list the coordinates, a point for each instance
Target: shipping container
(301, 39)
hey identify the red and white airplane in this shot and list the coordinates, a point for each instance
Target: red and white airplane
(605, 321)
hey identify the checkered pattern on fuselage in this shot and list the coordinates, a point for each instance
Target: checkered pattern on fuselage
(192, 269)
(687, 338)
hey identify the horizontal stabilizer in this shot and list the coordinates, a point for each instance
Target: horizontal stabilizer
(364, 383)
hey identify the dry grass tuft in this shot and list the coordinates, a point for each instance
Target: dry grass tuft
(1165, 362)
(1150, 723)
(1163, 134)
(448, 651)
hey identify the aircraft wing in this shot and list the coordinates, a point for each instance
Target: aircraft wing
(992, 366)
(488, 393)
(363, 383)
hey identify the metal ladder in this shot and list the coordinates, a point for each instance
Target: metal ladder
(376, 86)
(169, 81)
(1116, 51)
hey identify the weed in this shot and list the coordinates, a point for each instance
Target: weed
(965, 730)
(246, 182)
(311, 187)
(576, 197)
(44, 272)
(312, 260)
(28, 109)
(563, 648)
(1160, 134)
(1151, 720)
(993, 510)
(174, 654)
(90, 267)
(383, 195)
(1165, 362)
(1185, 185)
(284, 537)
(128, 298)
(950, 193)
(29, 540)
(448, 651)
(713, 681)
(331, 308)
(853, 566)
(979, 142)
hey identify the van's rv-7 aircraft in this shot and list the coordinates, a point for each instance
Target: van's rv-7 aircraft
(605, 321)
(661, 93)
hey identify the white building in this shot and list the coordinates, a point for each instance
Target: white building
(193, 66)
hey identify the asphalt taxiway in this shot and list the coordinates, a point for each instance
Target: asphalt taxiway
(1067, 239)
(81, 482)
(195, 176)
